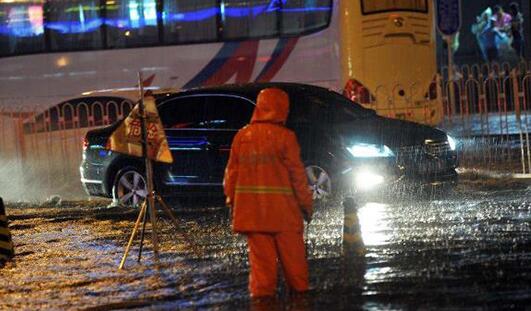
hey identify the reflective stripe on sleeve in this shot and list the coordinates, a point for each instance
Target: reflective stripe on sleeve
(264, 190)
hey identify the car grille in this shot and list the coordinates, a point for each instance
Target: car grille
(430, 158)
(437, 149)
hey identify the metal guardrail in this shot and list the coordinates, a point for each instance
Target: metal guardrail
(40, 152)
(488, 109)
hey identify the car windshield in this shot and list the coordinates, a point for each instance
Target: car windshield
(346, 110)
(326, 106)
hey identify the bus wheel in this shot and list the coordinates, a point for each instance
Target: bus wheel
(129, 189)
(320, 183)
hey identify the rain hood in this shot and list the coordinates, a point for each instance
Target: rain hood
(272, 106)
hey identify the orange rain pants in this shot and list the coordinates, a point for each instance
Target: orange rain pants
(264, 251)
(266, 184)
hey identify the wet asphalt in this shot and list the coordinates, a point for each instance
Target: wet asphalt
(467, 250)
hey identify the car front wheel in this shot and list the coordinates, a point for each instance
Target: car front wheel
(129, 189)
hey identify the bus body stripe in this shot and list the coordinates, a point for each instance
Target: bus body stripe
(241, 64)
(239, 58)
(224, 54)
(281, 53)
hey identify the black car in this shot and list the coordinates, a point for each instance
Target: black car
(343, 145)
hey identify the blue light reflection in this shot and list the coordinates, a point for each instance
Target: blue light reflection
(139, 18)
(75, 27)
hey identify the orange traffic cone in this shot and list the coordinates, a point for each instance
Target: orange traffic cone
(6, 244)
(352, 240)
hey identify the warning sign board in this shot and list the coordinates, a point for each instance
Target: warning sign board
(127, 138)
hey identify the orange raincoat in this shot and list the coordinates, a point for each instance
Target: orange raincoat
(266, 184)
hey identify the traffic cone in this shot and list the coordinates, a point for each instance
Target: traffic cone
(352, 240)
(6, 244)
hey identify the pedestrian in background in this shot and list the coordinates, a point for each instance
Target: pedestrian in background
(502, 20)
(489, 38)
(483, 30)
(267, 189)
(517, 29)
(502, 27)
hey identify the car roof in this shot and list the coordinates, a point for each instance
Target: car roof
(249, 90)
(129, 93)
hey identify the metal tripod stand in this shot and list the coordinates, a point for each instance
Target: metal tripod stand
(152, 198)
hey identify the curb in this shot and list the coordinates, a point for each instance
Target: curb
(490, 174)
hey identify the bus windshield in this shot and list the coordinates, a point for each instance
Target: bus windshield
(371, 6)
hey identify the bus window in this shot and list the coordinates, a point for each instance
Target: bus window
(74, 25)
(21, 27)
(248, 19)
(371, 6)
(131, 23)
(303, 16)
(189, 21)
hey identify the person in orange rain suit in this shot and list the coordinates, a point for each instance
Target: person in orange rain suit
(266, 186)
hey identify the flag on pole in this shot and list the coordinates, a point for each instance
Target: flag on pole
(127, 138)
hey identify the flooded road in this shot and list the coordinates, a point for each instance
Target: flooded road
(469, 250)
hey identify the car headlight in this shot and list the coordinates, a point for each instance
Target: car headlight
(451, 142)
(365, 179)
(370, 151)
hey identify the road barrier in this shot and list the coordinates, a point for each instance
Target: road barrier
(40, 151)
(6, 244)
(488, 108)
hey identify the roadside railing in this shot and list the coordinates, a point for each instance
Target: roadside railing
(40, 151)
(488, 109)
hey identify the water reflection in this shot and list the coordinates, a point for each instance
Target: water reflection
(374, 222)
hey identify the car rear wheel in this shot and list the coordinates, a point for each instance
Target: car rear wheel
(320, 183)
(129, 189)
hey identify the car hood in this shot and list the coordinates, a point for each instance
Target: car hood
(390, 132)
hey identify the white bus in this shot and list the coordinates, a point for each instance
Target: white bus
(388, 58)
(51, 50)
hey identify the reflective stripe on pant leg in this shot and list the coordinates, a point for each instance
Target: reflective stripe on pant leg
(263, 264)
(292, 255)
(264, 190)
